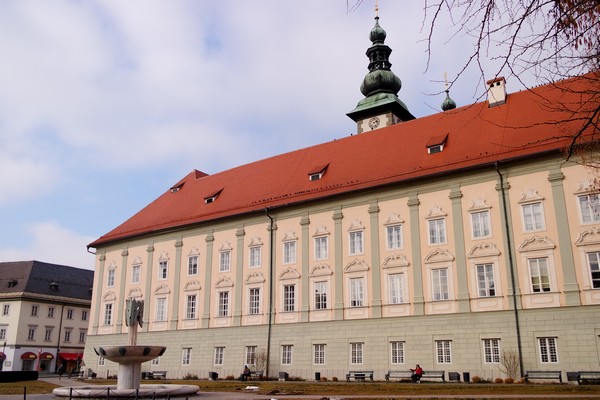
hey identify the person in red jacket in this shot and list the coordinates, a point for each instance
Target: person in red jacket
(417, 373)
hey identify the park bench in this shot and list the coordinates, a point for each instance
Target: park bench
(588, 376)
(359, 375)
(408, 374)
(256, 375)
(543, 375)
(156, 375)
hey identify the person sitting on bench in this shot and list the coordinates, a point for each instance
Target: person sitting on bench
(245, 374)
(417, 373)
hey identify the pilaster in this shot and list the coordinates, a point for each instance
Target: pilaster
(415, 238)
(98, 292)
(375, 261)
(239, 277)
(339, 268)
(305, 257)
(176, 285)
(210, 239)
(459, 249)
(148, 292)
(121, 297)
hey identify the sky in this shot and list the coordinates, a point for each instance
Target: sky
(104, 105)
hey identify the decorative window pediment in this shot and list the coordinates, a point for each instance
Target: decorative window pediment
(137, 261)
(255, 277)
(194, 252)
(356, 225)
(192, 286)
(586, 186)
(530, 195)
(536, 243)
(226, 246)
(112, 265)
(395, 260)
(162, 289)
(224, 282)
(479, 204)
(109, 296)
(290, 273)
(483, 250)
(164, 256)
(255, 242)
(591, 236)
(439, 255)
(435, 212)
(321, 270)
(135, 293)
(321, 230)
(393, 219)
(289, 236)
(356, 266)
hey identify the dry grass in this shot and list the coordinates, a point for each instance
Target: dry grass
(32, 387)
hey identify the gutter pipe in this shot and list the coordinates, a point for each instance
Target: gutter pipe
(270, 290)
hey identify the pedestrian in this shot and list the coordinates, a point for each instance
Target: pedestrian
(61, 371)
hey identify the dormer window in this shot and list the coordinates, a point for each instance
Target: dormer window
(436, 144)
(317, 173)
(435, 149)
(54, 286)
(212, 197)
(176, 188)
(12, 283)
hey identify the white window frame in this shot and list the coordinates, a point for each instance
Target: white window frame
(440, 284)
(536, 275)
(319, 353)
(321, 300)
(396, 288)
(223, 304)
(491, 351)
(3, 333)
(251, 355)
(443, 351)
(163, 270)
(225, 261)
(394, 237)
(31, 333)
(589, 208)
(397, 352)
(47, 335)
(254, 301)
(481, 226)
(84, 315)
(5, 309)
(136, 274)
(356, 242)
(357, 292)
(219, 355)
(51, 312)
(191, 306)
(289, 252)
(548, 348)
(255, 256)
(108, 311)
(192, 265)
(289, 298)
(110, 278)
(286, 354)
(356, 353)
(321, 247)
(533, 219)
(67, 335)
(34, 310)
(101, 361)
(594, 268)
(486, 282)
(436, 228)
(70, 313)
(186, 356)
(160, 314)
(82, 335)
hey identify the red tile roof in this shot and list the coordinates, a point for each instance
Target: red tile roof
(530, 123)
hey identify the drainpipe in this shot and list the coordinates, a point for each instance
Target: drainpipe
(270, 289)
(512, 267)
(58, 342)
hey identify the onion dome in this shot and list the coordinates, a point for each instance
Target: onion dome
(377, 34)
(448, 103)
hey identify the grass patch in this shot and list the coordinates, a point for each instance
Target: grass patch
(33, 387)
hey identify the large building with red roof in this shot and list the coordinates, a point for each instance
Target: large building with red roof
(446, 240)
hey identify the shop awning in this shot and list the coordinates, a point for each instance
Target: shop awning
(28, 356)
(46, 356)
(70, 356)
(2, 356)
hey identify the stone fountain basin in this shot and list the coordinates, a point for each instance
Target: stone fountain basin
(130, 354)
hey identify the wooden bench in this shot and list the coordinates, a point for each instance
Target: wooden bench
(398, 375)
(544, 375)
(359, 375)
(256, 375)
(408, 375)
(587, 376)
(156, 375)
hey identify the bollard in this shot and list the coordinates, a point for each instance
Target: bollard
(70, 393)
(137, 393)
(24, 392)
(107, 393)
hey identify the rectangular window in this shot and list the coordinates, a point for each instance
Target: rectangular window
(590, 208)
(110, 278)
(69, 313)
(34, 310)
(161, 309)
(540, 277)
(289, 298)
(155, 361)
(2, 333)
(319, 354)
(82, 335)
(533, 219)
(548, 353)
(444, 351)
(480, 221)
(491, 351)
(5, 309)
(48, 334)
(394, 237)
(186, 356)
(356, 292)
(254, 301)
(356, 353)
(286, 354)
(84, 315)
(485, 280)
(190, 308)
(101, 360)
(163, 270)
(594, 262)
(250, 355)
(437, 231)
(320, 295)
(219, 355)
(67, 335)
(108, 314)
(356, 243)
(255, 256)
(31, 334)
(395, 284)
(439, 280)
(50, 312)
(321, 248)
(289, 252)
(225, 261)
(397, 352)
(223, 304)
(135, 274)
(192, 265)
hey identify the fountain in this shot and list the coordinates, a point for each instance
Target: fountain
(130, 359)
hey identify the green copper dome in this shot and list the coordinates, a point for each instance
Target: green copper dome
(448, 103)
(377, 34)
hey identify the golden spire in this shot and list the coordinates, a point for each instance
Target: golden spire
(376, 8)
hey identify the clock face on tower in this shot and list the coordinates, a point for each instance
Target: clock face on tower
(374, 122)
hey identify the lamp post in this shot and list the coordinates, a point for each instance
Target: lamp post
(38, 359)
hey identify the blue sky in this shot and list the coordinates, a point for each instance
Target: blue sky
(106, 104)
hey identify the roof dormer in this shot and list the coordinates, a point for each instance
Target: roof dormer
(496, 91)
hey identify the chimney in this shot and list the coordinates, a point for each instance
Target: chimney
(496, 91)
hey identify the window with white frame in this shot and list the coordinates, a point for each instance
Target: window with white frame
(589, 205)
(82, 335)
(31, 333)
(394, 237)
(67, 335)
(480, 222)
(101, 360)
(321, 248)
(186, 356)
(250, 355)
(397, 352)
(136, 273)
(594, 263)
(108, 311)
(437, 230)
(163, 270)
(155, 361)
(395, 287)
(192, 265)
(5, 309)
(190, 306)
(319, 354)
(533, 217)
(34, 310)
(356, 353)
(485, 280)
(225, 261)
(254, 301)
(289, 252)
(255, 259)
(439, 282)
(223, 304)
(219, 355)
(491, 351)
(289, 298)
(286, 354)
(161, 309)
(84, 315)
(3, 333)
(47, 335)
(444, 351)
(110, 278)
(69, 313)
(548, 352)
(321, 289)
(356, 242)
(540, 275)
(357, 292)
(50, 312)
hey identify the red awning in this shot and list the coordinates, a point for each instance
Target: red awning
(70, 356)
(2, 356)
(28, 356)
(46, 356)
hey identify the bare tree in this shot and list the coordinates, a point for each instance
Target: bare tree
(509, 363)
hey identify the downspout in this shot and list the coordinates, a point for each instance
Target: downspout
(59, 332)
(512, 268)
(270, 289)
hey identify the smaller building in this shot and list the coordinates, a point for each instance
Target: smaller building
(44, 315)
